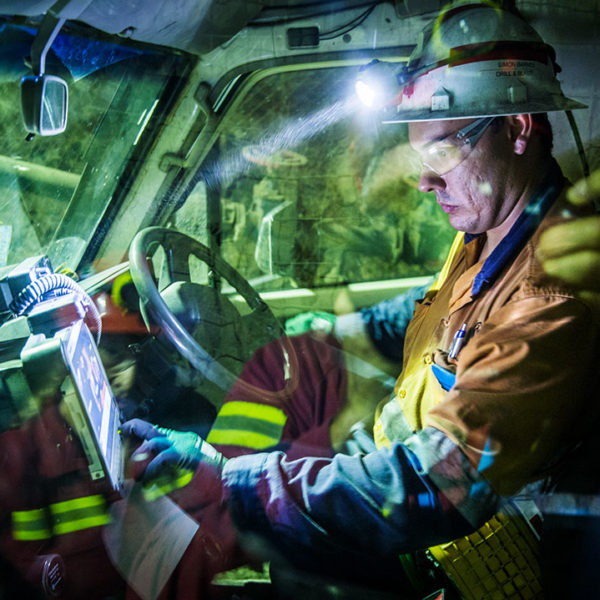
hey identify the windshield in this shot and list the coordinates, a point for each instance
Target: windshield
(314, 192)
(58, 191)
(300, 189)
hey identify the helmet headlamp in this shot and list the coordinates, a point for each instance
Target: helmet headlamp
(378, 84)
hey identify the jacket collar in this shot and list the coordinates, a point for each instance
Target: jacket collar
(514, 241)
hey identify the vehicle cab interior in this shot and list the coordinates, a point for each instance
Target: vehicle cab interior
(181, 184)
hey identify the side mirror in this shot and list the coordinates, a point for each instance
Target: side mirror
(44, 102)
(45, 98)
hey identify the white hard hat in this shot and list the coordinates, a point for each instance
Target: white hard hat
(478, 60)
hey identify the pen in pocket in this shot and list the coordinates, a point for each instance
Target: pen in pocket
(457, 341)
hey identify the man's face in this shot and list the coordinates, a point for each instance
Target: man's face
(471, 185)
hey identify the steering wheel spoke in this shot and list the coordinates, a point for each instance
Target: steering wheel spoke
(175, 266)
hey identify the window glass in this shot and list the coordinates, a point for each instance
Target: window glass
(56, 190)
(315, 192)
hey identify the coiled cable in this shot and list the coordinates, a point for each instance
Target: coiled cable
(59, 285)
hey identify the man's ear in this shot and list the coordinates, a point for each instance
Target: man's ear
(520, 127)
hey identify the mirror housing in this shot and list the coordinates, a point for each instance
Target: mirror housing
(44, 102)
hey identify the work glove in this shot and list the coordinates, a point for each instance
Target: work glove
(571, 250)
(169, 451)
(322, 322)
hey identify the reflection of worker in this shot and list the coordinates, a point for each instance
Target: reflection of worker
(52, 510)
(344, 366)
(512, 397)
(397, 231)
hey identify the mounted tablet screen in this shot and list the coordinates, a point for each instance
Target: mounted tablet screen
(92, 405)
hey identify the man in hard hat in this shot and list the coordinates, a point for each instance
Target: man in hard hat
(496, 387)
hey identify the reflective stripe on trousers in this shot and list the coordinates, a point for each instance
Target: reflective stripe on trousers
(60, 518)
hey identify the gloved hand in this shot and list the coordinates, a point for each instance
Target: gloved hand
(171, 450)
(311, 321)
(571, 250)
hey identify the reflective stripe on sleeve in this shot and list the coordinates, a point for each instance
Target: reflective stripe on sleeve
(247, 424)
(31, 524)
(158, 489)
(79, 514)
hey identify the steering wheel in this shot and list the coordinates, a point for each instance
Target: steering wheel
(178, 247)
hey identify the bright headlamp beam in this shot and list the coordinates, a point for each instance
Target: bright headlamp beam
(366, 94)
(377, 84)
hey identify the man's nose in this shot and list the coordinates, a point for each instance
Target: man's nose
(429, 181)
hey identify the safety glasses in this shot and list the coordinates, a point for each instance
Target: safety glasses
(444, 155)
